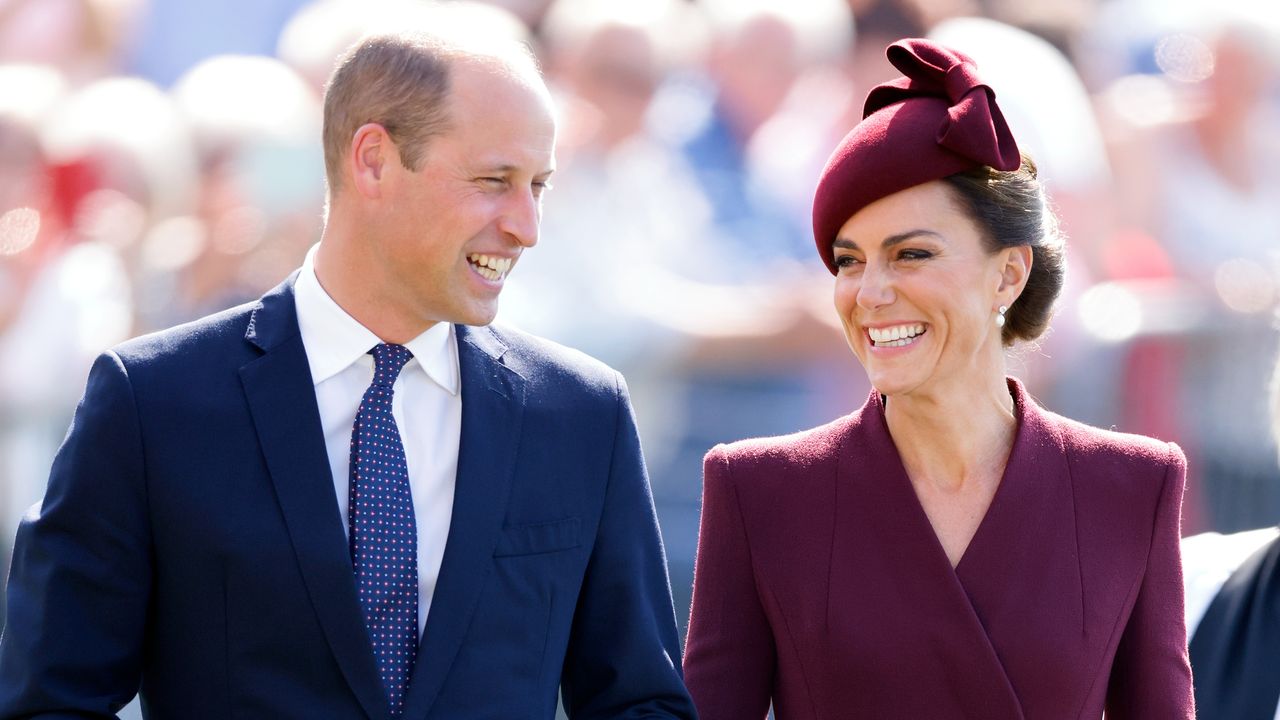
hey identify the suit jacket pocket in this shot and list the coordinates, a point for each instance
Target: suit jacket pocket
(540, 537)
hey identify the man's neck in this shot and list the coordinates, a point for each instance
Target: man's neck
(367, 301)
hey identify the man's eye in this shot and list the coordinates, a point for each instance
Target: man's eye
(494, 181)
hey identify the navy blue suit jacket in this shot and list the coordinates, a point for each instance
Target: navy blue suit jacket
(190, 542)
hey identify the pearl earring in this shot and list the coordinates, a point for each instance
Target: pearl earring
(1000, 316)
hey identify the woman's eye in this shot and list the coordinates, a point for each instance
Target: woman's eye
(846, 261)
(915, 255)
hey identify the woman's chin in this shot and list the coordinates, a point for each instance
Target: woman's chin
(891, 384)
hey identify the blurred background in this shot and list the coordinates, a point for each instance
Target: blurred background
(160, 159)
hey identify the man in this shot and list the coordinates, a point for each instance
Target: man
(253, 517)
(1233, 615)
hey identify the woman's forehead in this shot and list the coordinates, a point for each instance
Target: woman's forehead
(928, 208)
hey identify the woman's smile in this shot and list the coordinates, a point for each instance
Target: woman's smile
(895, 335)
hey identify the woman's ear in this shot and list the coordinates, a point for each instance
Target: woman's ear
(1015, 269)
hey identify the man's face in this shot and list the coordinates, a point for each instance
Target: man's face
(451, 231)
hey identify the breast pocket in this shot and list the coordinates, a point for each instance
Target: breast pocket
(540, 537)
(526, 607)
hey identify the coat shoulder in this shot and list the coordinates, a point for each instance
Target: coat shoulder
(783, 457)
(547, 364)
(1116, 470)
(1089, 444)
(194, 342)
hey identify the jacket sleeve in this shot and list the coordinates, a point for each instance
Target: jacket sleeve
(1151, 676)
(730, 654)
(81, 575)
(623, 659)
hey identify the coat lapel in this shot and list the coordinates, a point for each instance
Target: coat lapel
(915, 620)
(282, 402)
(492, 408)
(1022, 568)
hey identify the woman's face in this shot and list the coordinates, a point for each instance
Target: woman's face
(917, 292)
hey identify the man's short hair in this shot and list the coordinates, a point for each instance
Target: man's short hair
(400, 82)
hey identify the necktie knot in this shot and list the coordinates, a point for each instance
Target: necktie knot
(388, 361)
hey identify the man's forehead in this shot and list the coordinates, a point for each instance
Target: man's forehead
(511, 115)
(514, 69)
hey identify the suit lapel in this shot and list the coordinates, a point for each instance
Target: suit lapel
(282, 402)
(492, 408)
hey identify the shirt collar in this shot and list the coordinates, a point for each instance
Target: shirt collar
(334, 340)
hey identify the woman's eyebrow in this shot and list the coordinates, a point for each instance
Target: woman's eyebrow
(847, 244)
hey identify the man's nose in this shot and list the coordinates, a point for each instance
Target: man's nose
(521, 216)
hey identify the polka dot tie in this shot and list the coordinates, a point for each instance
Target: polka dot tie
(384, 536)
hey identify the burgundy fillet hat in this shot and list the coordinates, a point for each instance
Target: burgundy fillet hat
(938, 120)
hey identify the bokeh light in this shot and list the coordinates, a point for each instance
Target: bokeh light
(1110, 312)
(1184, 57)
(1245, 286)
(18, 230)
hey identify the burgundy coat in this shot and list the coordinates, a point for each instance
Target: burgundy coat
(820, 584)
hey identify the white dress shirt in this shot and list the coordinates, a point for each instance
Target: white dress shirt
(1208, 560)
(426, 404)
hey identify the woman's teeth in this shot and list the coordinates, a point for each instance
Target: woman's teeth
(895, 336)
(490, 267)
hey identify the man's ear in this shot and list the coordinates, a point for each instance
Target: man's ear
(1015, 269)
(369, 157)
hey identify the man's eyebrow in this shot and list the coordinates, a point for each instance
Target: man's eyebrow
(509, 169)
(847, 244)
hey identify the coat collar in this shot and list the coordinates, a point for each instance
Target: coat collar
(973, 614)
(281, 398)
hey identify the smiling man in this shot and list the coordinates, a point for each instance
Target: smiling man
(352, 498)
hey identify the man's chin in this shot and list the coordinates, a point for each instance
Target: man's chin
(478, 317)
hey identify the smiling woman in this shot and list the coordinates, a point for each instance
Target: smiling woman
(951, 549)
(915, 259)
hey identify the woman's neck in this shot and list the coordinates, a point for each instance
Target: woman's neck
(953, 439)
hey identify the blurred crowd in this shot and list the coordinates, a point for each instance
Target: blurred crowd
(160, 159)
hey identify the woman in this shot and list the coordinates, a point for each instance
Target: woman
(950, 550)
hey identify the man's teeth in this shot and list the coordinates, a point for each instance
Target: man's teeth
(895, 336)
(488, 266)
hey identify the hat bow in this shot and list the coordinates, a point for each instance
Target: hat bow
(973, 126)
